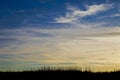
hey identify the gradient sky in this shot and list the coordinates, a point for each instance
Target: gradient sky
(85, 33)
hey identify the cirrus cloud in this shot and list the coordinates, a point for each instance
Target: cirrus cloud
(74, 14)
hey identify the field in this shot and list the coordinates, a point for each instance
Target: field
(59, 74)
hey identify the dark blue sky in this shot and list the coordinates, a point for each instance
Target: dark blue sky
(20, 13)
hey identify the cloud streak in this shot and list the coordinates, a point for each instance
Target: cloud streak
(82, 43)
(74, 14)
(66, 45)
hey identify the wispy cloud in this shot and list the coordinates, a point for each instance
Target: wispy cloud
(74, 14)
(43, 44)
(115, 15)
(110, 16)
(56, 46)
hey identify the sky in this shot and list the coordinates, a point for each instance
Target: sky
(36, 33)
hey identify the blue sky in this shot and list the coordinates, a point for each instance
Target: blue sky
(59, 32)
(39, 12)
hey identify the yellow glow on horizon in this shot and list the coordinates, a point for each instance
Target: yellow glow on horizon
(99, 52)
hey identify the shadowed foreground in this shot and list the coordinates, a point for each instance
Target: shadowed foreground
(59, 75)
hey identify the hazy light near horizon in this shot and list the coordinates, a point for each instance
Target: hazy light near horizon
(95, 50)
(86, 34)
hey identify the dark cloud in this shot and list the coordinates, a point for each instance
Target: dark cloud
(67, 63)
(11, 56)
(7, 41)
(38, 34)
(77, 58)
(104, 34)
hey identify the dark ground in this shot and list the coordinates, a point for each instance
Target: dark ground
(59, 75)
